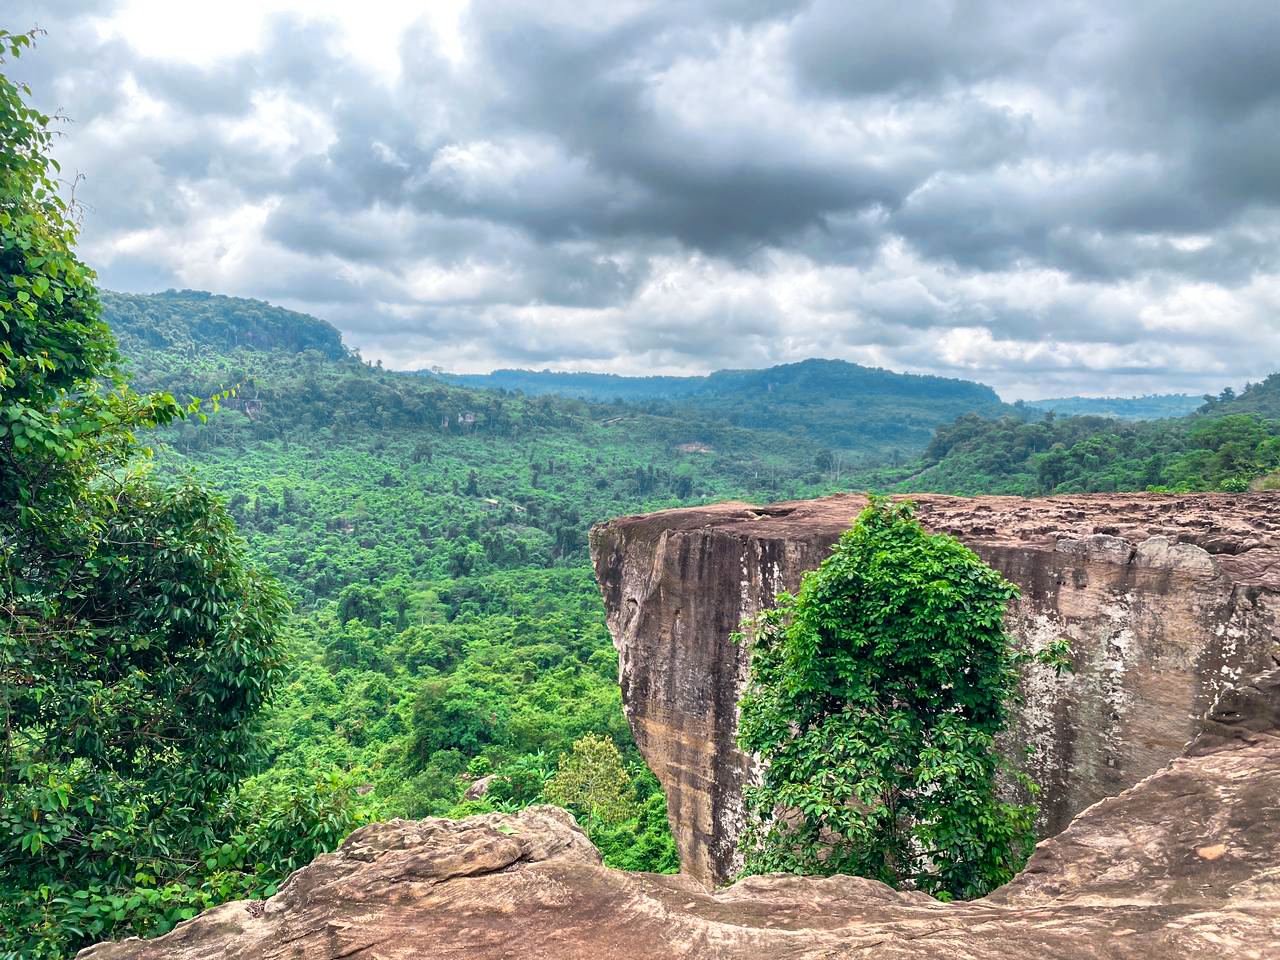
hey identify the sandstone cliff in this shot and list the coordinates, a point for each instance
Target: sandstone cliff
(1166, 600)
(1182, 865)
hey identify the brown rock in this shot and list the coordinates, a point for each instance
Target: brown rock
(1129, 879)
(479, 788)
(1176, 601)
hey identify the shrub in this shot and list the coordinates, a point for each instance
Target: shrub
(874, 698)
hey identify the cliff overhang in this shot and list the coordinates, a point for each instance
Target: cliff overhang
(1165, 600)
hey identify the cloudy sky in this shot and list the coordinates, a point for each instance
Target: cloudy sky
(1053, 198)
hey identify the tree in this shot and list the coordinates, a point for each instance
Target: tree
(874, 699)
(1052, 468)
(454, 717)
(593, 781)
(137, 643)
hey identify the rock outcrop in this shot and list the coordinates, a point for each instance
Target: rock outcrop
(1167, 600)
(1185, 864)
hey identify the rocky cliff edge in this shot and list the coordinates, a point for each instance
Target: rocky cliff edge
(1184, 864)
(1165, 601)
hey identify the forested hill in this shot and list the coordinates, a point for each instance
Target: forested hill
(866, 410)
(588, 386)
(1231, 442)
(432, 478)
(1151, 407)
(185, 322)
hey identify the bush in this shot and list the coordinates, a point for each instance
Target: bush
(874, 699)
(593, 783)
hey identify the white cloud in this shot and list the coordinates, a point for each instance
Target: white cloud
(1028, 196)
(368, 32)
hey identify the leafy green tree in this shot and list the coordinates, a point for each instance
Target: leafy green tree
(1052, 468)
(137, 643)
(455, 717)
(592, 780)
(874, 699)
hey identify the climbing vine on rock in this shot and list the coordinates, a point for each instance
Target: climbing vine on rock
(874, 699)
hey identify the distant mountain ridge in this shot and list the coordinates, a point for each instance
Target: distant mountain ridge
(811, 373)
(1151, 407)
(841, 404)
(872, 414)
(588, 386)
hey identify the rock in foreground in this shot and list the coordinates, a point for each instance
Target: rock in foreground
(1185, 864)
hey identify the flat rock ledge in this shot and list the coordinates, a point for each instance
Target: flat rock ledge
(1184, 864)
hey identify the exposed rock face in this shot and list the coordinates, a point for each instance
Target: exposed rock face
(1182, 865)
(1166, 599)
(479, 788)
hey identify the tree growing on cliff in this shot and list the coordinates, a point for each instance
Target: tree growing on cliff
(874, 699)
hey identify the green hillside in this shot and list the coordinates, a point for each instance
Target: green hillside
(875, 414)
(433, 538)
(1150, 407)
(1231, 443)
(186, 322)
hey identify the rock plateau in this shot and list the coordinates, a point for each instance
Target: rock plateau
(1185, 864)
(1166, 601)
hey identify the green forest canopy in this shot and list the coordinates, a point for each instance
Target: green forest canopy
(432, 538)
(866, 411)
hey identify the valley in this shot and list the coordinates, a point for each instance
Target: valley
(446, 625)
(783, 480)
(434, 536)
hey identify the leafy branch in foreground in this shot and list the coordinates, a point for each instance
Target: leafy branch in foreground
(875, 696)
(137, 642)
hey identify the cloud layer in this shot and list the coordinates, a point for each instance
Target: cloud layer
(1052, 198)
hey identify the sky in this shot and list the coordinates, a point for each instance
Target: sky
(1053, 198)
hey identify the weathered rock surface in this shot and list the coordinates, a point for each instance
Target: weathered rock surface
(1166, 599)
(1185, 864)
(479, 787)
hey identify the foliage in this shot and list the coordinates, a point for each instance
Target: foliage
(643, 842)
(436, 537)
(1217, 450)
(188, 323)
(871, 411)
(1262, 398)
(52, 343)
(260, 835)
(137, 643)
(133, 678)
(874, 698)
(1150, 407)
(593, 781)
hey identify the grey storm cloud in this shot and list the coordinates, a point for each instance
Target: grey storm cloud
(1067, 196)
